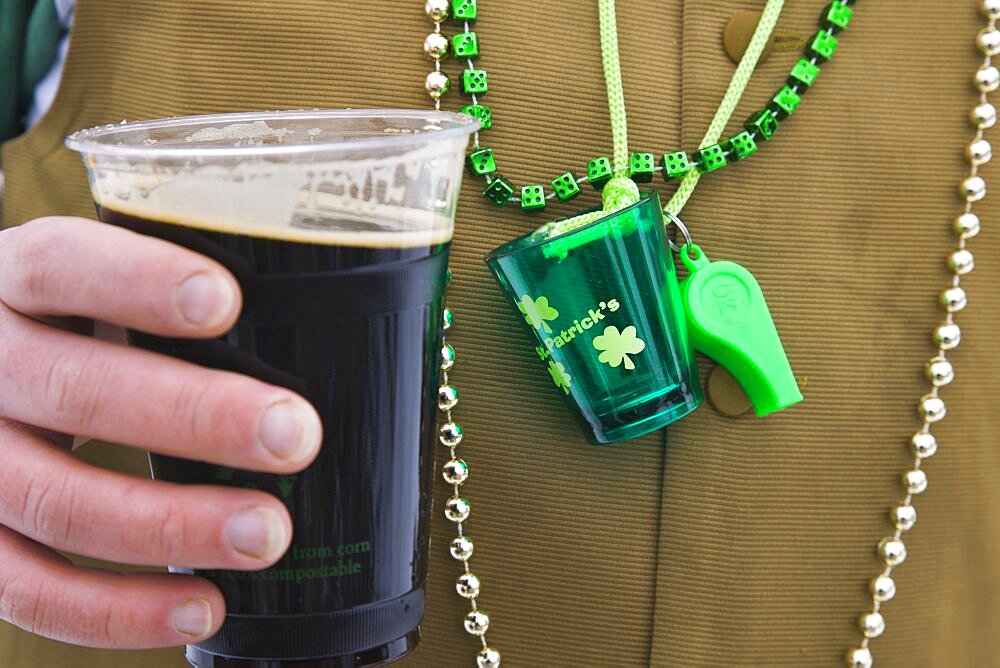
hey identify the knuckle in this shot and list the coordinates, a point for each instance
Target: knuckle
(111, 618)
(170, 539)
(102, 623)
(8, 596)
(21, 604)
(30, 270)
(35, 616)
(158, 532)
(196, 409)
(42, 608)
(75, 383)
(47, 509)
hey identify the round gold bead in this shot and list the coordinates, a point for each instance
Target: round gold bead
(467, 585)
(436, 10)
(954, 299)
(437, 84)
(872, 625)
(455, 471)
(988, 41)
(447, 397)
(488, 658)
(979, 152)
(883, 588)
(461, 548)
(923, 444)
(915, 482)
(962, 261)
(967, 225)
(457, 509)
(973, 188)
(903, 517)
(932, 408)
(983, 116)
(859, 658)
(891, 551)
(436, 46)
(947, 336)
(447, 357)
(940, 372)
(450, 434)
(987, 78)
(477, 622)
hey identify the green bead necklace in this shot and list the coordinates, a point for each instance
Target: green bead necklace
(674, 165)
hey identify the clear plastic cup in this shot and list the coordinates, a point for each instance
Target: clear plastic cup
(336, 224)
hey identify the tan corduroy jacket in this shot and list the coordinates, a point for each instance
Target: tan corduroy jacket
(722, 541)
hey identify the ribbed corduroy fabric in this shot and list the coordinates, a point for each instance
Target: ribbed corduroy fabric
(722, 542)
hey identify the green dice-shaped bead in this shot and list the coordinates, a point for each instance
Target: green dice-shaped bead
(474, 82)
(463, 10)
(532, 198)
(676, 165)
(599, 172)
(465, 45)
(837, 15)
(482, 112)
(711, 158)
(786, 101)
(762, 123)
(823, 45)
(641, 167)
(804, 73)
(565, 186)
(481, 162)
(740, 146)
(499, 191)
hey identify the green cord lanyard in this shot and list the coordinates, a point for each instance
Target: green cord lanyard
(741, 77)
(622, 191)
(727, 316)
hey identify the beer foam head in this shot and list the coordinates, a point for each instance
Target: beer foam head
(367, 178)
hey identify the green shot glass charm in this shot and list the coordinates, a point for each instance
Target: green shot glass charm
(604, 305)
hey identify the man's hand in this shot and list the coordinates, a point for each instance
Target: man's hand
(55, 383)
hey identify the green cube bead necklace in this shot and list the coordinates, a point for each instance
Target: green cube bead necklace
(481, 161)
(677, 164)
(890, 550)
(672, 165)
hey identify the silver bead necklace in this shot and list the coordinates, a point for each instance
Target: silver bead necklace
(939, 371)
(947, 335)
(455, 470)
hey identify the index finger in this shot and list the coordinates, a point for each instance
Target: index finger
(64, 266)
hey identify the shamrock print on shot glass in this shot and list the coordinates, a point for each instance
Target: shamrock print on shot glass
(537, 312)
(559, 376)
(603, 305)
(616, 346)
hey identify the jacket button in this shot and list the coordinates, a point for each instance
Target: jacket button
(725, 393)
(737, 33)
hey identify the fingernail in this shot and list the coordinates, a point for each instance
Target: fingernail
(289, 429)
(204, 299)
(258, 533)
(193, 618)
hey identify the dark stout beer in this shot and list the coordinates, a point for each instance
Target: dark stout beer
(351, 322)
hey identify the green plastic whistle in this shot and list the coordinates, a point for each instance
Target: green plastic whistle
(728, 320)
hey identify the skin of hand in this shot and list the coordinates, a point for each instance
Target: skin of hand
(57, 276)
